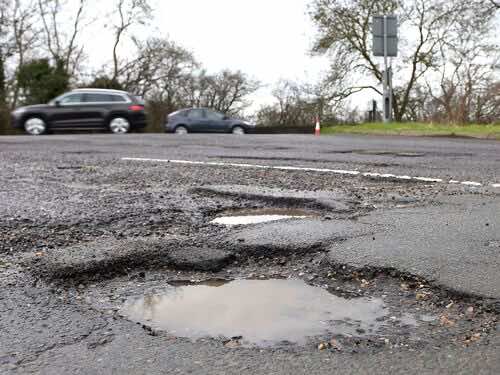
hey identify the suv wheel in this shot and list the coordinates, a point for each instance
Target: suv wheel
(181, 130)
(238, 130)
(35, 126)
(119, 125)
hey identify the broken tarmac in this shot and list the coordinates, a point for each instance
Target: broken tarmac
(84, 231)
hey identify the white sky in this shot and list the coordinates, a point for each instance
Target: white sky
(266, 39)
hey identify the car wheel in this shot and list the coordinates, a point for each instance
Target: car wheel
(238, 130)
(119, 125)
(35, 126)
(181, 130)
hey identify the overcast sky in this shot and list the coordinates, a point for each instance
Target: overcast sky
(266, 39)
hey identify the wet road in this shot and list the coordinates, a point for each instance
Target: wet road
(445, 158)
(88, 221)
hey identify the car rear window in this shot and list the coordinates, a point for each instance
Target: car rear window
(118, 98)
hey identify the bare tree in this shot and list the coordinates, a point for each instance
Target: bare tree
(62, 45)
(469, 56)
(296, 105)
(345, 28)
(226, 91)
(159, 70)
(130, 13)
(25, 38)
(4, 5)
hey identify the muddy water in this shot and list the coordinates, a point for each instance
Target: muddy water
(247, 217)
(263, 312)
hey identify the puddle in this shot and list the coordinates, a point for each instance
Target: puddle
(247, 217)
(262, 312)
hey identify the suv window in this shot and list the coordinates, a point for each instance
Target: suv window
(97, 98)
(214, 116)
(196, 113)
(118, 99)
(71, 99)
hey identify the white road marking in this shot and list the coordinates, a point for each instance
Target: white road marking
(252, 219)
(306, 169)
(471, 183)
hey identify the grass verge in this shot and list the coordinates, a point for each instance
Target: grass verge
(418, 129)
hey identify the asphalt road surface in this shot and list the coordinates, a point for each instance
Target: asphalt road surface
(90, 223)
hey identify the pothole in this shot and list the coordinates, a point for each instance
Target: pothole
(257, 216)
(256, 312)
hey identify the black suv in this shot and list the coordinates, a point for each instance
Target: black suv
(118, 111)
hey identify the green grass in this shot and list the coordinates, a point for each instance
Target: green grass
(418, 129)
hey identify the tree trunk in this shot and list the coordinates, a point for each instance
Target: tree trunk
(4, 113)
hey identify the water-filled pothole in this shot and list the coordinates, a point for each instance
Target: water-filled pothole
(261, 312)
(263, 215)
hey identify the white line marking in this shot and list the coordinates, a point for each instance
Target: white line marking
(306, 169)
(471, 183)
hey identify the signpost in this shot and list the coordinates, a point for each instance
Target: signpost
(385, 43)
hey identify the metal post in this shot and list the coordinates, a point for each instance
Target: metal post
(390, 91)
(386, 75)
(385, 44)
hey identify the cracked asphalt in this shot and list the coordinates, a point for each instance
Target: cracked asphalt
(82, 230)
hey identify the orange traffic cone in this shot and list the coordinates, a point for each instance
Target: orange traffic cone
(317, 131)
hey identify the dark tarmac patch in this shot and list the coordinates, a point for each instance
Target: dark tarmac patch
(83, 152)
(401, 153)
(108, 258)
(277, 158)
(331, 200)
(256, 312)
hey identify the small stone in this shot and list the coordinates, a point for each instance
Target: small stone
(445, 321)
(476, 337)
(335, 344)
(232, 344)
(323, 346)
(422, 296)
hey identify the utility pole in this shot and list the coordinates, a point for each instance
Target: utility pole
(385, 43)
(387, 108)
